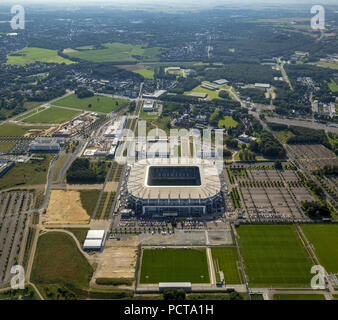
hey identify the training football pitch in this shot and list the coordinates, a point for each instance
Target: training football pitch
(273, 255)
(226, 260)
(95, 104)
(324, 239)
(174, 265)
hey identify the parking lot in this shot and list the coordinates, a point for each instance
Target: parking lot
(13, 206)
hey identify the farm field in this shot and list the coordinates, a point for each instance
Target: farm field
(228, 122)
(169, 265)
(115, 52)
(33, 172)
(226, 260)
(146, 73)
(274, 256)
(323, 239)
(51, 115)
(13, 130)
(298, 297)
(101, 104)
(32, 55)
(58, 260)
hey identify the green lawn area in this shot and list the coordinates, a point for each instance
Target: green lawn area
(333, 85)
(168, 265)
(298, 297)
(274, 256)
(200, 90)
(330, 65)
(13, 130)
(283, 135)
(32, 55)
(324, 238)
(32, 104)
(228, 122)
(79, 233)
(115, 52)
(89, 199)
(146, 73)
(29, 114)
(58, 260)
(6, 146)
(226, 260)
(51, 115)
(58, 166)
(33, 172)
(98, 103)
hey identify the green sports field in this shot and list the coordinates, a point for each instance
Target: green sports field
(273, 255)
(98, 103)
(51, 115)
(115, 52)
(324, 239)
(298, 297)
(226, 260)
(170, 265)
(32, 55)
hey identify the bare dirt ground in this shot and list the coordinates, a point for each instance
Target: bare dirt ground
(118, 259)
(65, 208)
(69, 51)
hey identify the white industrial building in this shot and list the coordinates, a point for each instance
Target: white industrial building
(116, 129)
(94, 240)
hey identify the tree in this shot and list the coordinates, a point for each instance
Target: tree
(235, 296)
(174, 294)
(278, 165)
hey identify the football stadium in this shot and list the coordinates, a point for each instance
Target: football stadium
(159, 188)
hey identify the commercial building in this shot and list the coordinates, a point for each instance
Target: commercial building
(148, 106)
(5, 166)
(46, 145)
(116, 129)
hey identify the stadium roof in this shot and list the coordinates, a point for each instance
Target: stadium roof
(210, 182)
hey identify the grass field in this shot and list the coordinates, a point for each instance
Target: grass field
(58, 260)
(274, 256)
(58, 166)
(324, 238)
(13, 130)
(51, 115)
(6, 146)
(228, 122)
(31, 55)
(98, 103)
(283, 135)
(199, 89)
(115, 52)
(29, 114)
(333, 85)
(298, 297)
(226, 260)
(33, 172)
(79, 233)
(89, 199)
(167, 265)
(146, 73)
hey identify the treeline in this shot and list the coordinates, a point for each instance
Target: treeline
(256, 95)
(269, 146)
(328, 170)
(81, 172)
(316, 209)
(241, 72)
(83, 93)
(305, 135)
